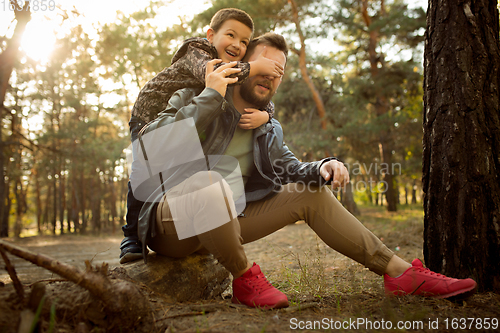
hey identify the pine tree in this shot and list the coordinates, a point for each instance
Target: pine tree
(461, 166)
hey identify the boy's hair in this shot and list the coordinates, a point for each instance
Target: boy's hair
(268, 39)
(230, 14)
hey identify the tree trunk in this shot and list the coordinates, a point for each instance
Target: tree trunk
(407, 202)
(381, 104)
(54, 203)
(6, 203)
(390, 192)
(7, 59)
(348, 201)
(83, 227)
(20, 206)
(62, 198)
(414, 192)
(38, 200)
(74, 206)
(369, 189)
(112, 208)
(46, 209)
(303, 66)
(461, 156)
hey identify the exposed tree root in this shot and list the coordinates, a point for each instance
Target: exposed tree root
(121, 299)
(13, 276)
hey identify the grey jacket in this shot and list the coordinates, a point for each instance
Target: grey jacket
(216, 119)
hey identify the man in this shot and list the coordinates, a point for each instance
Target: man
(279, 190)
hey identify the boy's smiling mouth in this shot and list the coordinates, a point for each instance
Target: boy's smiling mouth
(231, 54)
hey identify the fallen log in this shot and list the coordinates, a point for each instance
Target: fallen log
(125, 306)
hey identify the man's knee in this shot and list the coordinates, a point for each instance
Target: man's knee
(313, 192)
(208, 186)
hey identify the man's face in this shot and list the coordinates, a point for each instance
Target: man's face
(258, 90)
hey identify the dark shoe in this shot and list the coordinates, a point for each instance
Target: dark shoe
(253, 289)
(418, 280)
(131, 249)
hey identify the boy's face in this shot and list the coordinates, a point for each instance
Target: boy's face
(231, 40)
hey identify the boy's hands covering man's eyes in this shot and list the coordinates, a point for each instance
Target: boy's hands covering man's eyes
(265, 66)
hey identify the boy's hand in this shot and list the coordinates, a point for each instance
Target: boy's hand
(218, 79)
(265, 66)
(252, 118)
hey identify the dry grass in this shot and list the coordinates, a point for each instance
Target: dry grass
(325, 287)
(334, 288)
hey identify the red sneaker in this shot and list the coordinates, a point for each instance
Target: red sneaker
(418, 280)
(253, 289)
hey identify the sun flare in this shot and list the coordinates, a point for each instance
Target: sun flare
(38, 41)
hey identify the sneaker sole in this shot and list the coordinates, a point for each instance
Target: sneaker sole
(128, 257)
(458, 294)
(281, 304)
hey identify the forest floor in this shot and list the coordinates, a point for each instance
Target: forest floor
(327, 291)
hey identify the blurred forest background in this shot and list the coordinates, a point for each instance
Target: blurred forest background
(352, 89)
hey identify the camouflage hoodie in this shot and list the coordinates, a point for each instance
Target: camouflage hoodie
(187, 71)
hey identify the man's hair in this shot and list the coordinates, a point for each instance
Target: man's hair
(230, 14)
(268, 39)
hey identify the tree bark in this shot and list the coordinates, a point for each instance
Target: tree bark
(461, 146)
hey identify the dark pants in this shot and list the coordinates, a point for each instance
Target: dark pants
(133, 205)
(133, 208)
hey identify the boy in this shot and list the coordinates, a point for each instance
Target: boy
(227, 39)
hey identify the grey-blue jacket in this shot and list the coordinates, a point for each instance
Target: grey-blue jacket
(216, 119)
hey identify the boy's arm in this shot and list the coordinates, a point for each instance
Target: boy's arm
(196, 52)
(195, 61)
(193, 56)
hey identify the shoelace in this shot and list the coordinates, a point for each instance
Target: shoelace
(259, 282)
(428, 271)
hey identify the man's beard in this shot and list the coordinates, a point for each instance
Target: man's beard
(247, 92)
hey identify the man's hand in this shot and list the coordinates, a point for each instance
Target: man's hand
(265, 66)
(218, 79)
(337, 170)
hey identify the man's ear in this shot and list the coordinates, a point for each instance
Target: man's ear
(210, 34)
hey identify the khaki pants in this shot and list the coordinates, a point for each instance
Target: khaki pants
(318, 207)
